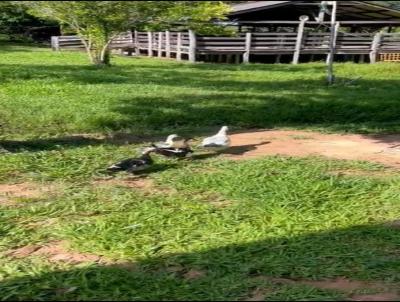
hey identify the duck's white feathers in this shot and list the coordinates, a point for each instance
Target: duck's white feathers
(221, 139)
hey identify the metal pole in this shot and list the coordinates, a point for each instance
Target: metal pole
(331, 76)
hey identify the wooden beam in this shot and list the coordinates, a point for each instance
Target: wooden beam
(192, 46)
(299, 40)
(246, 54)
(344, 22)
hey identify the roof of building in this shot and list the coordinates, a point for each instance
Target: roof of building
(347, 10)
(255, 5)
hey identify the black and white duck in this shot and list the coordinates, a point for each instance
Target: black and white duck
(133, 165)
(173, 152)
(174, 141)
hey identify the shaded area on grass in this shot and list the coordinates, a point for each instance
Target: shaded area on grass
(181, 97)
(234, 272)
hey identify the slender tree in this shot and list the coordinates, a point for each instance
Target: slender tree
(99, 22)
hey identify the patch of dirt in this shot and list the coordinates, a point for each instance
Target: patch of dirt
(64, 291)
(383, 149)
(215, 199)
(185, 273)
(259, 294)
(376, 297)
(137, 183)
(43, 223)
(193, 275)
(394, 224)
(23, 252)
(10, 192)
(344, 285)
(362, 173)
(24, 190)
(175, 269)
(339, 284)
(7, 202)
(128, 266)
(141, 183)
(56, 252)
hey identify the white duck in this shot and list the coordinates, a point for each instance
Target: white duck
(219, 141)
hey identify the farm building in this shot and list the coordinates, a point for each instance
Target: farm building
(279, 31)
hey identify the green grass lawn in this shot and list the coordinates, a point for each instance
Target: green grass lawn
(231, 222)
(47, 94)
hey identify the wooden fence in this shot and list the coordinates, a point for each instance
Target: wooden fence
(176, 44)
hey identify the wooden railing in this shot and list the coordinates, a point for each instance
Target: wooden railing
(174, 44)
(75, 42)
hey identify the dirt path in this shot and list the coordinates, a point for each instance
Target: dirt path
(384, 149)
(383, 291)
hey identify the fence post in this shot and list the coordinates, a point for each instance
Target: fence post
(246, 54)
(160, 37)
(150, 44)
(192, 46)
(167, 44)
(375, 47)
(55, 45)
(136, 41)
(299, 40)
(335, 34)
(178, 47)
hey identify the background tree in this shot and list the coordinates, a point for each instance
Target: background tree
(98, 22)
(195, 15)
(17, 24)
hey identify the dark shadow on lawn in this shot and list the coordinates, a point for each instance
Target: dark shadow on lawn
(49, 143)
(368, 106)
(76, 141)
(155, 168)
(203, 156)
(240, 150)
(201, 76)
(229, 272)
(203, 114)
(19, 47)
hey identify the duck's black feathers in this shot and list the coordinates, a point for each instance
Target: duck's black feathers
(172, 152)
(132, 164)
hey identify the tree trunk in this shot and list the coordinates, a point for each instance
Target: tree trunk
(99, 56)
(98, 51)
